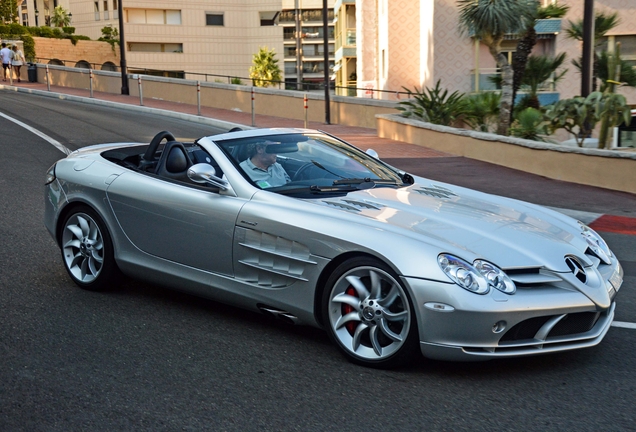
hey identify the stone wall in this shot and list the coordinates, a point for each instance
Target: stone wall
(94, 52)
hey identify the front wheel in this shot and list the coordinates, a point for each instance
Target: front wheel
(369, 315)
(87, 250)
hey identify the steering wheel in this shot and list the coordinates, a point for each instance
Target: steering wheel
(148, 158)
(303, 171)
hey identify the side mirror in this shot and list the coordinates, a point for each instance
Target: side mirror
(205, 173)
(373, 154)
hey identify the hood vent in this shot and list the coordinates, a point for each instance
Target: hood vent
(354, 205)
(436, 192)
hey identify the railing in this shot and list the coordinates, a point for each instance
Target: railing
(349, 90)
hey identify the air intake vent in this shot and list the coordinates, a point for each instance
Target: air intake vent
(435, 192)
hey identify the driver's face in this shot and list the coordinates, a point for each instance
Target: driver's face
(266, 159)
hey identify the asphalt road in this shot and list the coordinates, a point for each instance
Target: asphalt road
(145, 358)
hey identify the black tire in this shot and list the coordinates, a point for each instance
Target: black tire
(87, 250)
(368, 314)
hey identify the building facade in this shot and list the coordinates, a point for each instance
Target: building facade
(414, 43)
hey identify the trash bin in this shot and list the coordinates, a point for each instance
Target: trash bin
(33, 72)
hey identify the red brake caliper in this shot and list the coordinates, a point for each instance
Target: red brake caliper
(351, 325)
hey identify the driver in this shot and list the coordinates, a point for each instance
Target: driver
(262, 167)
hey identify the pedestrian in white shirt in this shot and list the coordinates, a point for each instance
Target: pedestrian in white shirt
(5, 54)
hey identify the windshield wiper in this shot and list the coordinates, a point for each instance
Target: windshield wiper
(364, 181)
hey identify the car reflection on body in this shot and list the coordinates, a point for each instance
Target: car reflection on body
(389, 264)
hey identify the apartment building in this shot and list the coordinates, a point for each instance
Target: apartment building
(393, 44)
(185, 37)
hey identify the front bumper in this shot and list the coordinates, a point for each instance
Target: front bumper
(455, 324)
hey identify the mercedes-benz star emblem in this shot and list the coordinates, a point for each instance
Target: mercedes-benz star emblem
(576, 268)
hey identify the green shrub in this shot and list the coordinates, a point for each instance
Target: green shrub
(434, 105)
(29, 46)
(482, 111)
(530, 124)
(236, 81)
(69, 30)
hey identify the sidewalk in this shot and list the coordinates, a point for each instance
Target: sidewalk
(606, 210)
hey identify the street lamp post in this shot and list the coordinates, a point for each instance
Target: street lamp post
(36, 12)
(587, 61)
(122, 51)
(325, 39)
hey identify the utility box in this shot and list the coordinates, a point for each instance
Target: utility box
(33, 72)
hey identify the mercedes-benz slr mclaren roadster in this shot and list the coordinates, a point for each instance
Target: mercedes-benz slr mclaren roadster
(302, 226)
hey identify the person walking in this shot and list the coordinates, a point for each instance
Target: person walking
(5, 55)
(17, 61)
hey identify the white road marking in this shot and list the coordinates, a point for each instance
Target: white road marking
(45, 137)
(622, 324)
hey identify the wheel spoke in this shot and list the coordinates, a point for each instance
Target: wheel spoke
(72, 243)
(351, 316)
(96, 256)
(350, 300)
(388, 332)
(358, 335)
(376, 284)
(76, 230)
(397, 316)
(92, 267)
(373, 335)
(357, 284)
(76, 261)
(84, 225)
(390, 297)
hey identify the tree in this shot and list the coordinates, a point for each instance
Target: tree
(8, 11)
(265, 70)
(602, 24)
(489, 21)
(539, 69)
(528, 40)
(60, 17)
(577, 115)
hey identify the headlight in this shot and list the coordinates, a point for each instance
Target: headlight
(463, 274)
(50, 175)
(596, 244)
(495, 276)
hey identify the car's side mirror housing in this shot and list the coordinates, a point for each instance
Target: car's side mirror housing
(206, 173)
(373, 153)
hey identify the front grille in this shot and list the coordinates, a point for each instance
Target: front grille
(525, 329)
(575, 323)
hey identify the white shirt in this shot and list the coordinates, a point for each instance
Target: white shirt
(5, 53)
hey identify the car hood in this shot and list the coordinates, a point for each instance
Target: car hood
(507, 232)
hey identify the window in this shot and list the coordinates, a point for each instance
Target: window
(153, 16)
(155, 47)
(106, 15)
(269, 18)
(628, 48)
(96, 11)
(115, 9)
(214, 19)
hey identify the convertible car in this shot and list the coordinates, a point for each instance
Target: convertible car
(304, 227)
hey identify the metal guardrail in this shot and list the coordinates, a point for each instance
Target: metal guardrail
(350, 91)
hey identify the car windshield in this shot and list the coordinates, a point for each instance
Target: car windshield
(307, 163)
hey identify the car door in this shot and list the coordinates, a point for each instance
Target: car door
(175, 221)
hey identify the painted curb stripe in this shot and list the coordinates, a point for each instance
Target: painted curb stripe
(615, 224)
(624, 325)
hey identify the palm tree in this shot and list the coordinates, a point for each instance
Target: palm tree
(490, 21)
(539, 69)
(602, 24)
(528, 41)
(265, 69)
(60, 17)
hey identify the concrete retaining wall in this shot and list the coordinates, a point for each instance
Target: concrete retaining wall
(611, 169)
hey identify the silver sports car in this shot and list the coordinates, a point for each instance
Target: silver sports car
(304, 227)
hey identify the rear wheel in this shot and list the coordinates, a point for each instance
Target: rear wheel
(87, 250)
(369, 315)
